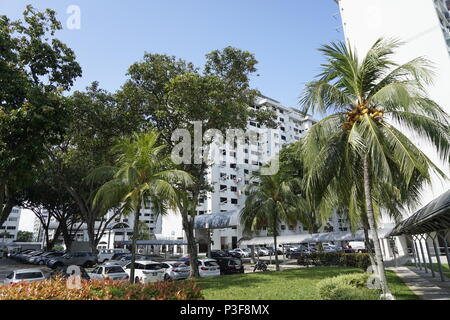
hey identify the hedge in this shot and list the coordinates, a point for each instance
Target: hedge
(347, 287)
(56, 289)
(353, 260)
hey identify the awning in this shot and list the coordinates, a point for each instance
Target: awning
(154, 242)
(217, 220)
(314, 238)
(435, 216)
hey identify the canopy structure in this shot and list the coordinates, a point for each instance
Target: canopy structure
(435, 216)
(221, 220)
(313, 238)
(154, 242)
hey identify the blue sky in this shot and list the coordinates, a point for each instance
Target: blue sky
(283, 34)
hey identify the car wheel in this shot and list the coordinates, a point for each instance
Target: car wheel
(167, 277)
(137, 280)
(41, 263)
(88, 264)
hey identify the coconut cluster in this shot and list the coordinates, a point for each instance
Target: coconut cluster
(358, 113)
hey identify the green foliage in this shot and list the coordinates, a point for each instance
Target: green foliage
(56, 289)
(354, 260)
(346, 287)
(24, 236)
(35, 69)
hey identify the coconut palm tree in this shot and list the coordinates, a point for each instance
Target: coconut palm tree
(143, 175)
(269, 203)
(359, 148)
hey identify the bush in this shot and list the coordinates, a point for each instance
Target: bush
(56, 289)
(353, 260)
(347, 287)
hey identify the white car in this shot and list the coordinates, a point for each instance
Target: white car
(106, 254)
(111, 272)
(146, 271)
(30, 275)
(175, 270)
(208, 268)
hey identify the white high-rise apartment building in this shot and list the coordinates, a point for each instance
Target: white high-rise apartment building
(10, 228)
(424, 27)
(229, 175)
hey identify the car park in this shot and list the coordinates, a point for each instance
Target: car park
(218, 253)
(230, 265)
(243, 252)
(232, 253)
(43, 258)
(84, 259)
(62, 272)
(175, 270)
(126, 259)
(207, 267)
(30, 275)
(27, 258)
(146, 271)
(107, 254)
(108, 272)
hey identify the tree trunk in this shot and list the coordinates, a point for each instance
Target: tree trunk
(51, 243)
(133, 242)
(277, 263)
(373, 228)
(188, 227)
(369, 247)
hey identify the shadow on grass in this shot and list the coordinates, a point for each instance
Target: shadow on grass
(258, 279)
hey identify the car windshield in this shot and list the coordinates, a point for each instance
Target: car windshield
(28, 275)
(211, 264)
(153, 266)
(178, 265)
(115, 269)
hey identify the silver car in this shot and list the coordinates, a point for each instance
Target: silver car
(30, 275)
(175, 270)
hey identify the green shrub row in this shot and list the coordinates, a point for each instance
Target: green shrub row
(57, 289)
(354, 260)
(347, 287)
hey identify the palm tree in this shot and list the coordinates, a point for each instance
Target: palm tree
(269, 203)
(142, 174)
(357, 150)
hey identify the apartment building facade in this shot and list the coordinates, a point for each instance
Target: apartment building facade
(230, 173)
(10, 228)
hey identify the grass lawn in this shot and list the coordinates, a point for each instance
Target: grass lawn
(297, 284)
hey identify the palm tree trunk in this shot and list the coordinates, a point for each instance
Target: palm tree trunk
(368, 244)
(373, 228)
(275, 245)
(133, 242)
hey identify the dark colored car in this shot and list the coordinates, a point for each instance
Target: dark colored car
(272, 251)
(218, 254)
(118, 256)
(43, 258)
(233, 254)
(230, 265)
(83, 259)
(17, 256)
(62, 272)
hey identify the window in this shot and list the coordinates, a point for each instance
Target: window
(234, 189)
(223, 200)
(223, 187)
(234, 201)
(246, 171)
(283, 227)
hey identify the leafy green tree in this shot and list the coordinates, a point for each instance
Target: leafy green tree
(269, 203)
(35, 68)
(142, 174)
(169, 94)
(96, 123)
(144, 232)
(358, 149)
(24, 236)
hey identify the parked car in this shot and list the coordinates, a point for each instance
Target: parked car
(207, 267)
(358, 246)
(146, 271)
(111, 272)
(272, 251)
(232, 253)
(117, 256)
(242, 252)
(261, 251)
(27, 258)
(230, 265)
(23, 254)
(43, 258)
(125, 259)
(64, 274)
(83, 259)
(294, 253)
(218, 253)
(107, 254)
(30, 275)
(23, 258)
(175, 270)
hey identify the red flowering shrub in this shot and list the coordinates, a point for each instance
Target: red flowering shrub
(57, 289)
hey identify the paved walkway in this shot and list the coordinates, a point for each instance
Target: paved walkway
(423, 284)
